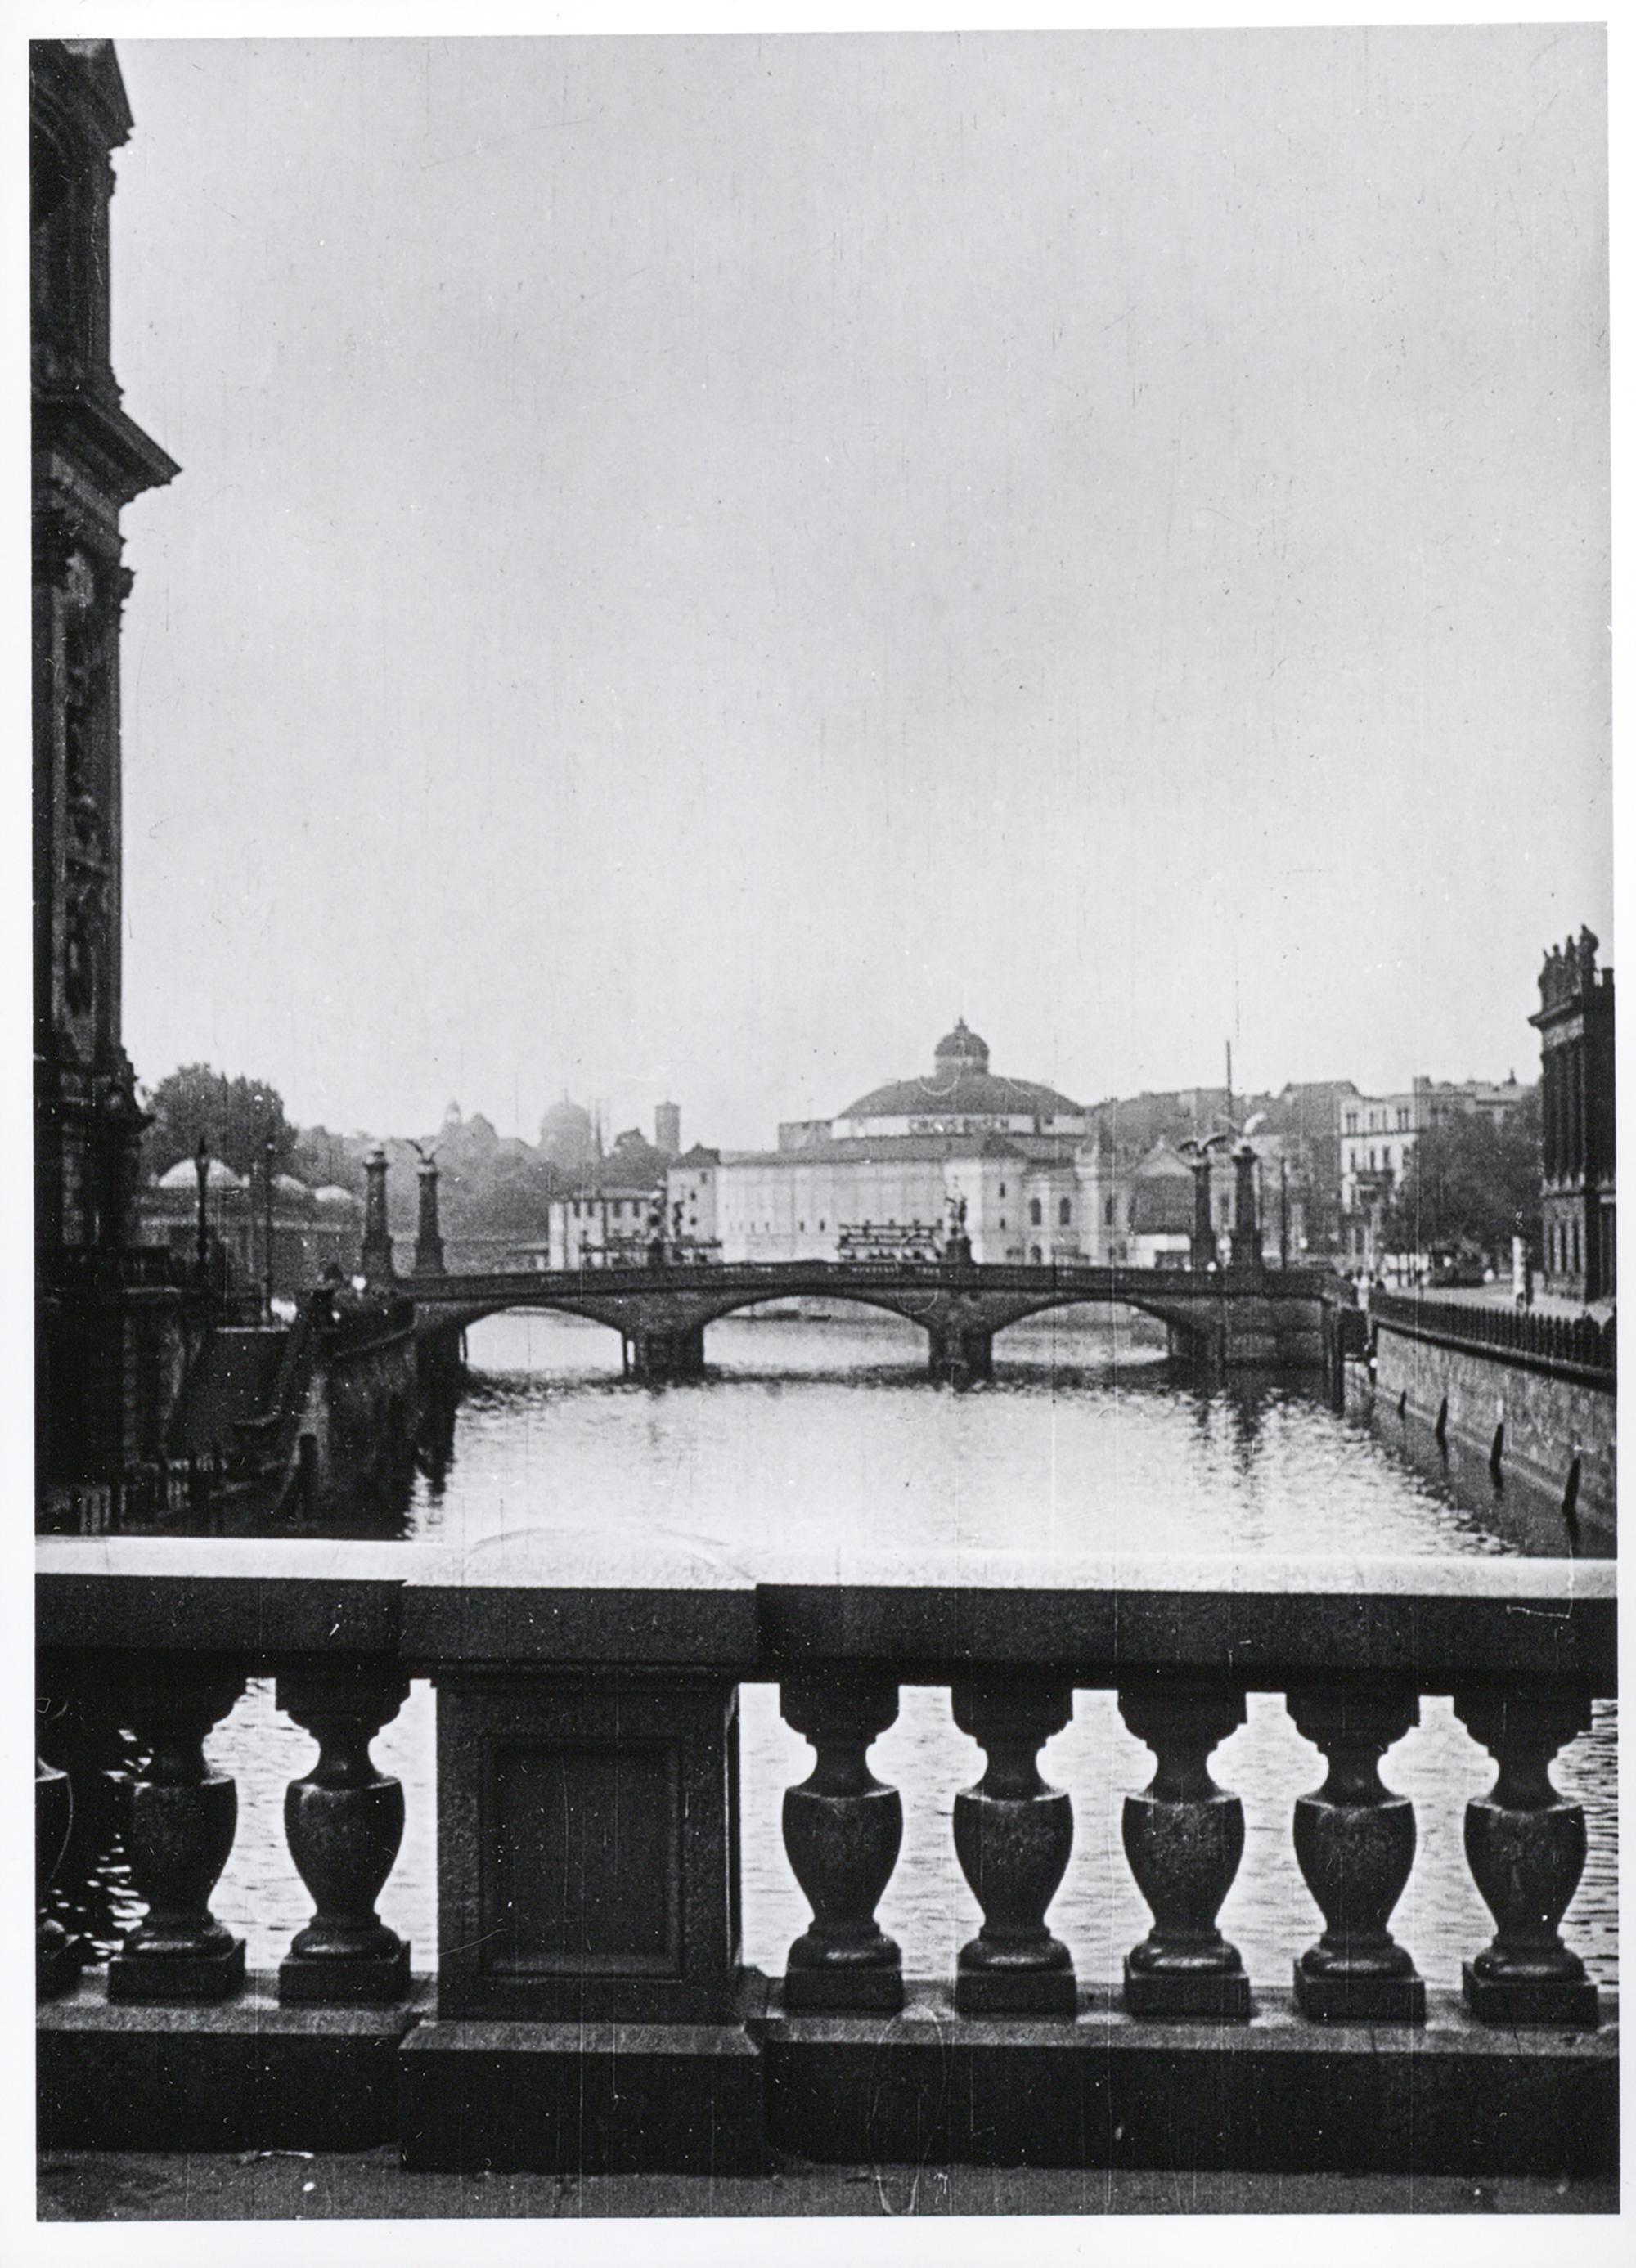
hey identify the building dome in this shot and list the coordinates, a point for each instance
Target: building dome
(566, 1133)
(333, 1198)
(184, 1176)
(960, 1048)
(293, 1191)
(960, 1090)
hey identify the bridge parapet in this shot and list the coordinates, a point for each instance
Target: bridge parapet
(591, 2006)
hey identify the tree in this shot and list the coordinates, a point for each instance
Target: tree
(1471, 1183)
(324, 1160)
(234, 1119)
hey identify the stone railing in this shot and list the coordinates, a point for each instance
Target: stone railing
(1577, 1343)
(590, 2005)
(138, 1496)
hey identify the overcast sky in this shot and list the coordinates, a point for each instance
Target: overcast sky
(698, 561)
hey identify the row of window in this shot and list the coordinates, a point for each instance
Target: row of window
(1378, 1121)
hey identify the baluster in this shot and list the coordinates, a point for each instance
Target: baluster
(1525, 1844)
(56, 1960)
(843, 1831)
(1183, 1837)
(1012, 1835)
(179, 1833)
(1354, 1841)
(345, 1822)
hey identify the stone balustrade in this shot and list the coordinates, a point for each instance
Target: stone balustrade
(590, 2006)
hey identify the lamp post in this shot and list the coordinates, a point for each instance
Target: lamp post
(202, 1167)
(267, 1223)
(1282, 1212)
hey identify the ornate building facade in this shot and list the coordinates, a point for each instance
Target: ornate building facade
(1577, 1177)
(90, 459)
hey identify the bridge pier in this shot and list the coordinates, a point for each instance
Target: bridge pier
(961, 1353)
(660, 1358)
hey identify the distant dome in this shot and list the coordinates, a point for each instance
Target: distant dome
(563, 1116)
(566, 1133)
(184, 1175)
(288, 1186)
(333, 1198)
(959, 1047)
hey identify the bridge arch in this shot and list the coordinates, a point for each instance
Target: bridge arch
(662, 1323)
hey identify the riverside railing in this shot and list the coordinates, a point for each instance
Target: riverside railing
(1580, 1343)
(587, 1821)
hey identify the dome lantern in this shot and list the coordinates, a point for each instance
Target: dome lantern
(961, 1049)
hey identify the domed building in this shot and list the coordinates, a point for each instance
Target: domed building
(960, 1095)
(567, 1136)
(1020, 1168)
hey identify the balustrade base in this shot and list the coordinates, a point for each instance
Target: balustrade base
(1278, 2094)
(481, 2097)
(1195, 1997)
(870, 1992)
(1016, 1993)
(158, 1980)
(1574, 2003)
(315, 1982)
(1360, 1999)
(244, 2074)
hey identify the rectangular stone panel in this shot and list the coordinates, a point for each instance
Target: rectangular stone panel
(587, 1846)
(587, 1863)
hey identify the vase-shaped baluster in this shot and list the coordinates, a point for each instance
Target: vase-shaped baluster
(344, 1824)
(180, 1825)
(1354, 1842)
(843, 1829)
(1012, 1835)
(1525, 1844)
(1183, 1837)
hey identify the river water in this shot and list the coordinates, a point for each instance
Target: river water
(827, 1433)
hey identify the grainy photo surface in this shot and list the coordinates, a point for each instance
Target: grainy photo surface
(824, 1125)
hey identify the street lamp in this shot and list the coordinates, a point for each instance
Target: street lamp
(267, 1223)
(202, 1167)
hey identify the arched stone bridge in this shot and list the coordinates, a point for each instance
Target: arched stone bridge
(1222, 1319)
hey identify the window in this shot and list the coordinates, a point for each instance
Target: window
(1107, 1212)
(801, 1227)
(821, 1226)
(1064, 1213)
(1002, 1220)
(1403, 1119)
(1002, 1191)
(1351, 1122)
(1035, 1212)
(1036, 1256)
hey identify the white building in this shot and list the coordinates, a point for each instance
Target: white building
(888, 1176)
(1378, 1134)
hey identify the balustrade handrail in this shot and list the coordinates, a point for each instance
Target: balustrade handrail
(1583, 1341)
(1431, 1622)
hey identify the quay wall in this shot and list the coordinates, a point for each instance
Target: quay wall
(1547, 1440)
(359, 1414)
